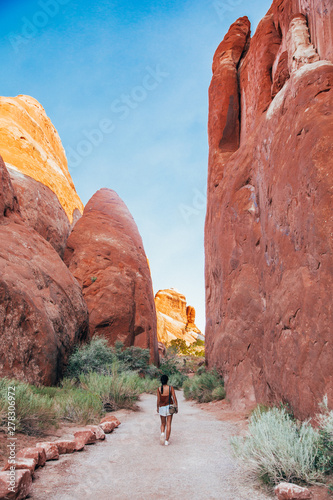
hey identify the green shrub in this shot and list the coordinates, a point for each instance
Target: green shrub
(170, 363)
(96, 356)
(33, 412)
(149, 385)
(179, 346)
(325, 453)
(280, 449)
(117, 390)
(153, 372)
(218, 393)
(177, 380)
(132, 358)
(197, 349)
(79, 406)
(207, 386)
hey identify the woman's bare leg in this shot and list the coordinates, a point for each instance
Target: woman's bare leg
(168, 427)
(163, 424)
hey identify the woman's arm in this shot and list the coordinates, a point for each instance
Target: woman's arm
(174, 396)
(158, 399)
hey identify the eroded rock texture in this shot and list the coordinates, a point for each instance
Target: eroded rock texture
(42, 310)
(106, 255)
(268, 235)
(41, 210)
(31, 145)
(175, 320)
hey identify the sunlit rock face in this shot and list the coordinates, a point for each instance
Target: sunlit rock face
(42, 311)
(268, 233)
(106, 255)
(175, 320)
(31, 145)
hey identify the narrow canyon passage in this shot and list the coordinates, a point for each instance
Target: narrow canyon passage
(131, 464)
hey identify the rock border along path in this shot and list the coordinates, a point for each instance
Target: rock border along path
(16, 479)
(133, 465)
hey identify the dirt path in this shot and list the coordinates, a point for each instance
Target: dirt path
(131, 464)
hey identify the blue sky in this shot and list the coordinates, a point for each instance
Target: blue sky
(125, 84)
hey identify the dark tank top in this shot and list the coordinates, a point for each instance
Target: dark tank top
(164, 398)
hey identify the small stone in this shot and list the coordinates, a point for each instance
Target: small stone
(83, 437)
(97, 429)
(111, 418)
(36, 453)
(67, 446)
(108, 427)
(289, 491)
(51, 450)
(22, 485)
(22, 463)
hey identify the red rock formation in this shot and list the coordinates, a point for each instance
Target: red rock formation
(175, 320)
(42, 311)
(105, 253)
(41, 210)
(269, 215)
(31, 145)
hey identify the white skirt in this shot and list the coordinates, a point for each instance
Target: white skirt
(164, 411)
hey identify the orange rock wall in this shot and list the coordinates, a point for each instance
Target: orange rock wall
(175, 320)
(30, 144)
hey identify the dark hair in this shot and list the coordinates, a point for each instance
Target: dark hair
(164, 380)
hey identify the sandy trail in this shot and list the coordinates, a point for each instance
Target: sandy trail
(131, 463)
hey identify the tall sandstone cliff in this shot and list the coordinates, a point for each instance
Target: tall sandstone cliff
(43, 312)
(37, 165)
(268, 234)
(105, 254)
(175, 320)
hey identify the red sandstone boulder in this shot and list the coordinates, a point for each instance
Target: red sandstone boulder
(83, 437)
(23, 463)
(111, 418)
(65, 446)
(268, 244)
(41, 210)
(42, 310)
(38, 454)
(289, 491)
(108, 427)
(105, 253)
(20, 486)
(50, 449)
(98, 430)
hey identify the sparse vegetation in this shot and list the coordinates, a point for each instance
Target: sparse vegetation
(33, 411)
(78, 406)
(98, 378)
(96, 356)
(205, 386)
(180, 346)
(279, 448)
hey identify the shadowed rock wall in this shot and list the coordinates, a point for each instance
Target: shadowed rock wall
(268, 234)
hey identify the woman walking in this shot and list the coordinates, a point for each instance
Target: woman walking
(166, 396)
